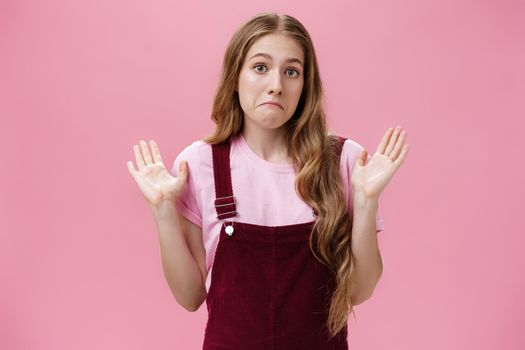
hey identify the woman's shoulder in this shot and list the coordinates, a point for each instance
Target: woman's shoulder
(350, 146)
(350, 151)
(198, 155)
(196, 149)
(353, 145)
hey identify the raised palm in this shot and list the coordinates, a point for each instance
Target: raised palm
(154, 180)
(372, 178)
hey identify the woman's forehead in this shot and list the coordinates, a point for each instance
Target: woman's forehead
(276, 47)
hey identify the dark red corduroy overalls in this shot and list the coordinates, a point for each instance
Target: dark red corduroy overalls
(268, 291)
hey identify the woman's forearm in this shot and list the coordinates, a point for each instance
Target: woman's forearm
(368, 264)
(180, 267)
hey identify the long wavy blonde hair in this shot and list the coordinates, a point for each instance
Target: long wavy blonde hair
(310, 146)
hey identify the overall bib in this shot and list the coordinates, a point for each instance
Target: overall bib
(267, 291)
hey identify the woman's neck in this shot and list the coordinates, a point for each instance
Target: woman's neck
(267, 143)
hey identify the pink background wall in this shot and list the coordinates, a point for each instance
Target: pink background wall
(81, 82)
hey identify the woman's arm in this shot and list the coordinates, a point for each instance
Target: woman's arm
(184, 273)
(367, 259)
(368, 181)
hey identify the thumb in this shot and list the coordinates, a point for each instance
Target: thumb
(183, 170)
(362, 158)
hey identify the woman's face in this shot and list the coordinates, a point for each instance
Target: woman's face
(272, 71)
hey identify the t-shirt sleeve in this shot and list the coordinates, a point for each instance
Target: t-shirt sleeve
(187, 204)
(352, 150)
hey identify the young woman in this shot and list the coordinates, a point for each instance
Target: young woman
(284, 212)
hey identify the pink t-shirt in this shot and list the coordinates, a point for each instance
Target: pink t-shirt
(264, 191)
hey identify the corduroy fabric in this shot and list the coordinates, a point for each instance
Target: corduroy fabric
(268, 291)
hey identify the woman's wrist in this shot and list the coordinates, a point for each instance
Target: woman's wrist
(364, 201)
(166, 209)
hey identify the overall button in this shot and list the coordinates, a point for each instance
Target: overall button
(229, 230)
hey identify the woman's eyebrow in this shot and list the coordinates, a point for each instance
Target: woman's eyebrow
(270, 57)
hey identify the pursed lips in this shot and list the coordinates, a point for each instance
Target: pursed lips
(273, 103)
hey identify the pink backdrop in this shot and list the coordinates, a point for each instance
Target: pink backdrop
(81, 82)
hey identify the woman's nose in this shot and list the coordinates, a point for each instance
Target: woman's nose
(276, 84)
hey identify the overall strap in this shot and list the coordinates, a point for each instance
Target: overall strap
(224, 199)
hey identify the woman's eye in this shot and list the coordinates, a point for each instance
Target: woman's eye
(258, 65)
(262, 65)
(296, 72)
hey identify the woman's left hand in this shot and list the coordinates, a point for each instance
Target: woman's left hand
(372, 178)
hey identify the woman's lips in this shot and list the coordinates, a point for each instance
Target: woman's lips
(273, 105)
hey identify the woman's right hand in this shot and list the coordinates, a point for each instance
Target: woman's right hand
(154, 180)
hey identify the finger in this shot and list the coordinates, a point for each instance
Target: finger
(138, 157)
(399, 144)
(392, 141)
(384, 141)
(360, 161)
(183, 171)
(402, 156)
(146, 152)
(156, 153)
(132, 169)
